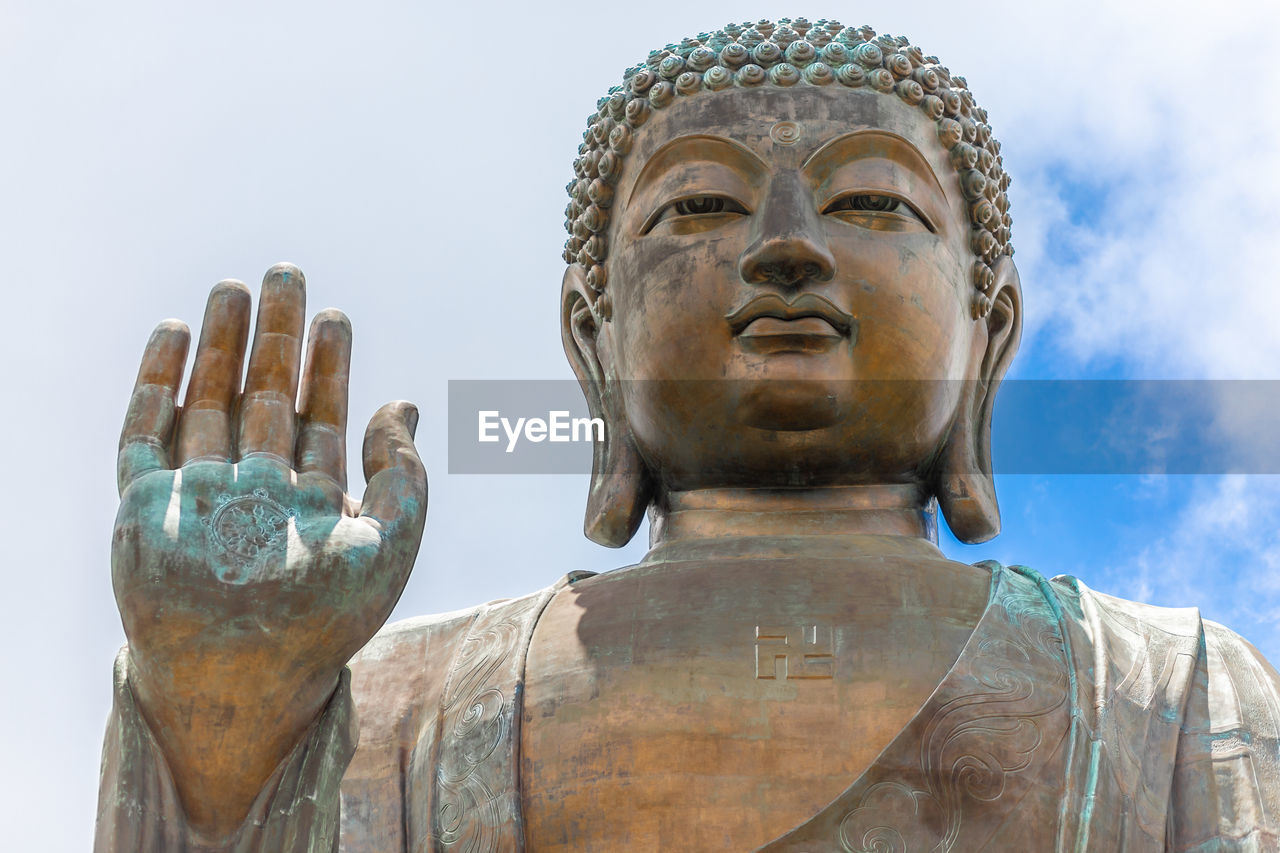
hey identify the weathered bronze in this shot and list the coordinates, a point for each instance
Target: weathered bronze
(809, 303)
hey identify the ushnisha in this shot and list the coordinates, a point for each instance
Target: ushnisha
(792, 52)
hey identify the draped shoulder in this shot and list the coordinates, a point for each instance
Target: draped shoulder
(1120, 725)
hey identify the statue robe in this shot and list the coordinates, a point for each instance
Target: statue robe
(1120, 726)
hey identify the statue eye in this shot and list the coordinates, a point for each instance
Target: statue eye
(696, 213)
(878, 212)
(699, 205)
(876, 203)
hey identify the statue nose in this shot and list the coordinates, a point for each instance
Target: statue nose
(790, 247)
(786, 272)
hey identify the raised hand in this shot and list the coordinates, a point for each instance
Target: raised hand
(245, 576)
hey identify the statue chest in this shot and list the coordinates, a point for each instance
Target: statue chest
(716, 706)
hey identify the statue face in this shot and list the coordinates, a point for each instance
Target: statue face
(789, 277)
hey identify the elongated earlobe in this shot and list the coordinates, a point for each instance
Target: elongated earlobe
(963, 480)
(621, 487)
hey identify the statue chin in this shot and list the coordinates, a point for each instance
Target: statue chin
(795, 406)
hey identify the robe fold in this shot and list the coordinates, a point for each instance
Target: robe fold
(1103, 724)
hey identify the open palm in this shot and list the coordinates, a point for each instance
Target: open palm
(246, 577)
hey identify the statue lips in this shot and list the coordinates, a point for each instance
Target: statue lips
(809, 323)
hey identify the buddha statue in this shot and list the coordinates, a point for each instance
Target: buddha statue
(791, 296)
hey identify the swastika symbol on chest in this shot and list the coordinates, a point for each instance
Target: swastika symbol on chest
(805, 651)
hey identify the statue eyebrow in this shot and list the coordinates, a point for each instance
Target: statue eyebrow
(746, 160)
(915, 161)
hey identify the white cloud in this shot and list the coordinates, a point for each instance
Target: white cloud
(1164, 123)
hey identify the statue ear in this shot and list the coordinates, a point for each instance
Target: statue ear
(963, 482)
(621, 487)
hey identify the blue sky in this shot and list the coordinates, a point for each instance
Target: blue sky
(1153, 213)
(154, 149)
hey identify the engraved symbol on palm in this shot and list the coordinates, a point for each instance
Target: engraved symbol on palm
(245, 528)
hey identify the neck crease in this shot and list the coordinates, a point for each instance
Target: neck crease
(904, 510)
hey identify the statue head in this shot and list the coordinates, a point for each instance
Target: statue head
(790, 267)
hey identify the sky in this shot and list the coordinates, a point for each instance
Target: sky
(414, 165)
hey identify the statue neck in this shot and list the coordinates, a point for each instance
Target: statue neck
(894, 517)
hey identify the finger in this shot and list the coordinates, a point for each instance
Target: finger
(271, 384)
(397, 491)
(323, 399)
(204, 432)
(148, 423)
